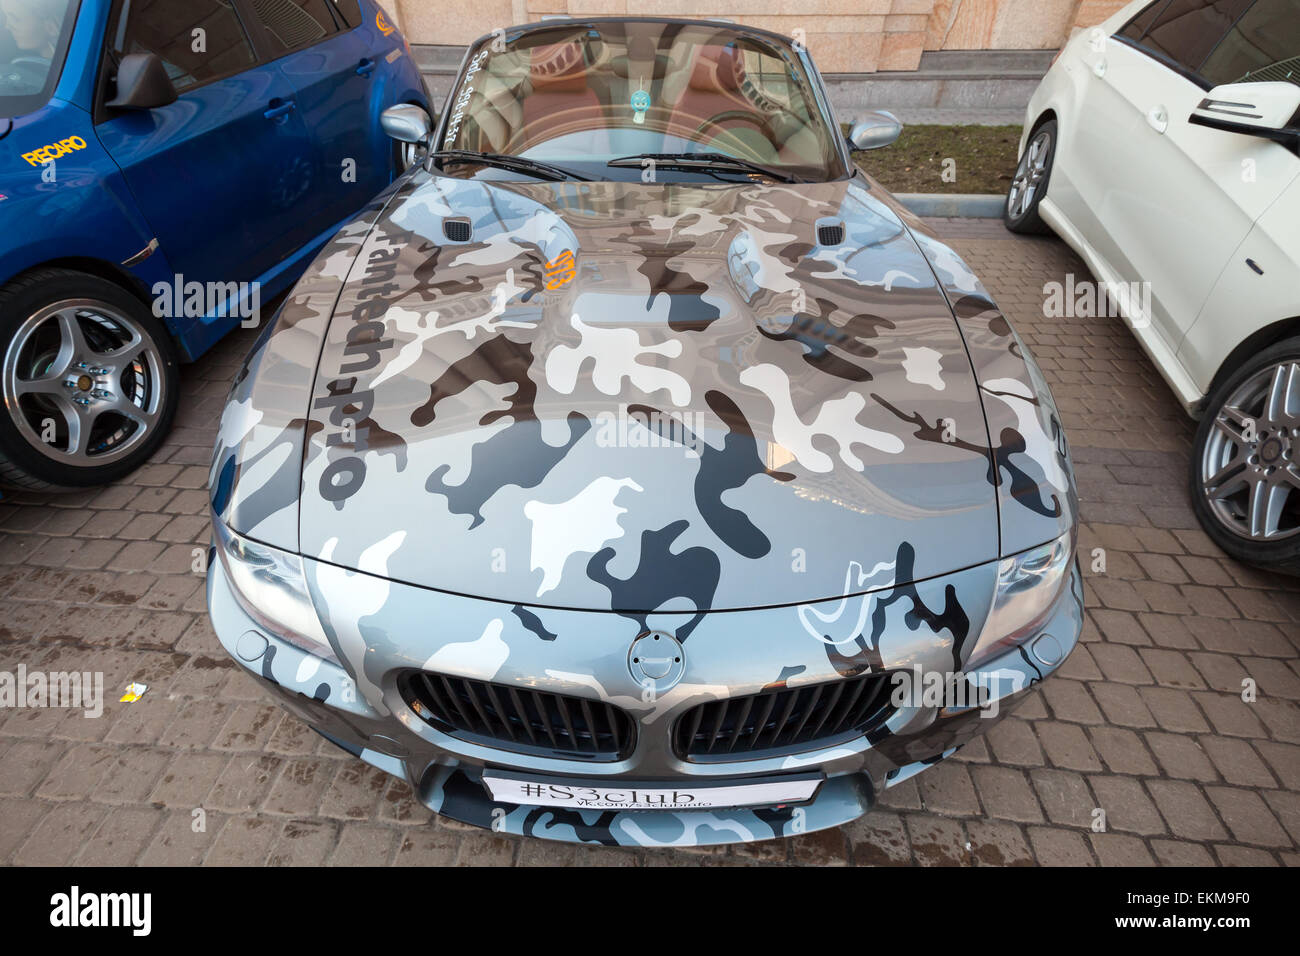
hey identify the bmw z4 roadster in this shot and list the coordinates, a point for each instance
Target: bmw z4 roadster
(635, 470)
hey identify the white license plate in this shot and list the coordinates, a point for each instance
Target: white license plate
(615, 795)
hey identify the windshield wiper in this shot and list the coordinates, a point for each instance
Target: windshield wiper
(517, 163)
(704, 162)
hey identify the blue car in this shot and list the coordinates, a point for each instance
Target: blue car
(166, 168)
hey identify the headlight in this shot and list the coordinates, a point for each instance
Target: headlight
(1028, 586)
(270, 586)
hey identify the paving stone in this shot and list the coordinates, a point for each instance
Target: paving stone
(998, 844)
(60, 835)
(244, 840)
(300, 786)
(1060, 847)
(1006, 794)
(1067, 746)
(1237, 761)
(1126, 805)
(946, 789)
(1179, 756)
(1122, 750)
(1013, 742)
(1185, 809)
(1181, 853)
(1230, 855)
(244, 783)
(879, 839)
(428, 846)
(303, 843)
(1115, 849)
(362, 844)
(937, 841)
(121, 838)
(18, 817)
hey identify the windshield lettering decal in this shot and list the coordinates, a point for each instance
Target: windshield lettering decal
(463, 98)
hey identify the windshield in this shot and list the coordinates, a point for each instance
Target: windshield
(579, 96)
(33, 38)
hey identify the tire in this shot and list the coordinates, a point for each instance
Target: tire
(1029, 184)
(1246, 493)
(89, 380)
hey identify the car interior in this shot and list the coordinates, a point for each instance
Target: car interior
(647, 87)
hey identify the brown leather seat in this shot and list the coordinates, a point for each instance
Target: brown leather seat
(560, 98)
(713, 89)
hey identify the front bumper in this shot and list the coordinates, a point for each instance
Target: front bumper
(380, 628)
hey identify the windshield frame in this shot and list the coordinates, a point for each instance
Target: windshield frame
(13, 107)
(840, 166)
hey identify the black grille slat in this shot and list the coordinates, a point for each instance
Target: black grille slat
(873, 701)
(738, 726)
(611, 720)
(792, 698)
(717, 725)
(518, 703)
(478, 707)
(466, 719)
(782, 720)
(846, 707)
(696, 718)
(760, 724)
(837, 691)
(435, 696)
(520, 719)
(815, 694)
(563, 708)
(587, 719)
(543, 716)
(500, 712)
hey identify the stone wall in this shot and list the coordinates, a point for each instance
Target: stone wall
(845, 36)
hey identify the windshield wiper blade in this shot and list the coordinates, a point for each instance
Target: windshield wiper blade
(530, 166)
(704, 162)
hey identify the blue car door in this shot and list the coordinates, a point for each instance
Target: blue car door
(331, 69)
(219, 173)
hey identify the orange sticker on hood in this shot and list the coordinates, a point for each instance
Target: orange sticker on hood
(560, 270)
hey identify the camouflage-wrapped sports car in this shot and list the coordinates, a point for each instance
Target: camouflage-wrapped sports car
(635, 470)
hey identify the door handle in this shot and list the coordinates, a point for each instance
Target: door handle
(366, 67)
(283, 109)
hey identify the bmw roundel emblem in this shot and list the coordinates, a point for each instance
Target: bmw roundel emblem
(657, 661)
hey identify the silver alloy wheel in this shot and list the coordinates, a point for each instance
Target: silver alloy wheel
(83, 382)
(1030, 174)
(1250, 475)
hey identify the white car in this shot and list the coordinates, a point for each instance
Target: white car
(1164, 147)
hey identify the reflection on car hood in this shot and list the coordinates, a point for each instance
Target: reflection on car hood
(636, 396)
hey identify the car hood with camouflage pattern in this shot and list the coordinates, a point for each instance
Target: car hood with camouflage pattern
(640, 396)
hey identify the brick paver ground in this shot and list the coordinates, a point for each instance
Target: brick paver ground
(1145, 722)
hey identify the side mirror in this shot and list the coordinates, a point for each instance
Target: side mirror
(1255, 109)
(874, 130)
(407, 124)
(142, 83)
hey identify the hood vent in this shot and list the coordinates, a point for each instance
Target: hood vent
(830, 232)
(457, 230)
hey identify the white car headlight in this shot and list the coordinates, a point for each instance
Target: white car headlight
(270, 586)
(1028, 587)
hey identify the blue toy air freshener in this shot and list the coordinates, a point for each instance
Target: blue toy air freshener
(640, 106)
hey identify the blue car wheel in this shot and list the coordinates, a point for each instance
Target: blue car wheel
(89, 379)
